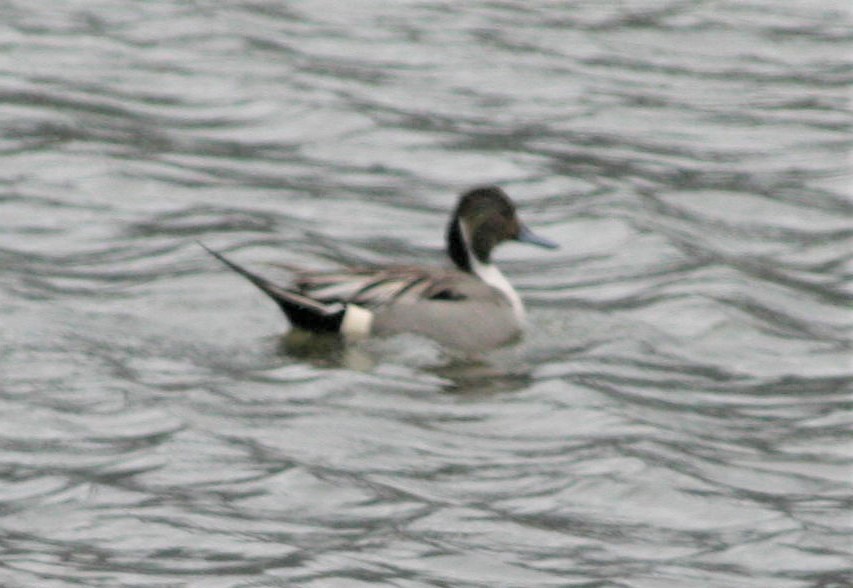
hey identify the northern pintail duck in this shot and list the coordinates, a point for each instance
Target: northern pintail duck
(471, 307)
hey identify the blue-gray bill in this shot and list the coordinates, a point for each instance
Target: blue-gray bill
(525, 235)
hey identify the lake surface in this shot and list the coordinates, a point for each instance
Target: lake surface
(679, 414)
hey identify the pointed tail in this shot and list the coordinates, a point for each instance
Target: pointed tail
(303, 312)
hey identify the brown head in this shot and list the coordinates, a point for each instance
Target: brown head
(484, 218)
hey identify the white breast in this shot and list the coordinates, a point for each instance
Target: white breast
(490, 274)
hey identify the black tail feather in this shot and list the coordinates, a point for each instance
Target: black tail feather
(303, 312)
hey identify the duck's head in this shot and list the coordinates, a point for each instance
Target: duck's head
(484, 218)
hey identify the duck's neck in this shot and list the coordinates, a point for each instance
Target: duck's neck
(457, 246)
(463, 256)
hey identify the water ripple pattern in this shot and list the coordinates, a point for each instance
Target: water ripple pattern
(679, 414)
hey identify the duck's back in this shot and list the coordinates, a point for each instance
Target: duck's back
(451, 306)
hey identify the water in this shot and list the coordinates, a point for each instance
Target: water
(678, 416)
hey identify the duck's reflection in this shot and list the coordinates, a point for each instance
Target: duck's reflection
(325, 350)
(497, 372)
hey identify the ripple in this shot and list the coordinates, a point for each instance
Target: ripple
(677, 414)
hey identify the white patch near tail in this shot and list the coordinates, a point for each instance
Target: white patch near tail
(357, 322)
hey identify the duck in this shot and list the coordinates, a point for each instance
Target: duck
(469, 306)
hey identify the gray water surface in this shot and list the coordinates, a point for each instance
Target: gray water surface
(679, 414)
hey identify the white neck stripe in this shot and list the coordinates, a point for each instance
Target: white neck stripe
(490, 274)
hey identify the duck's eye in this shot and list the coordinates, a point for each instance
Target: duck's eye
(447, 294)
